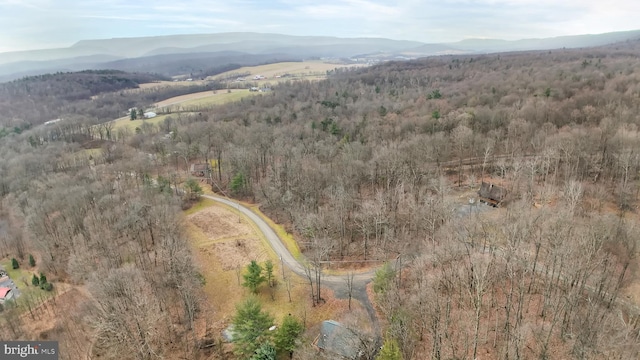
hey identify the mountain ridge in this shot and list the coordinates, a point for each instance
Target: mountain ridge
(103, 51)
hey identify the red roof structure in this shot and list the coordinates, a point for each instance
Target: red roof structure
(3, 292)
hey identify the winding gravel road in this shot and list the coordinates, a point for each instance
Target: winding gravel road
(338, 283)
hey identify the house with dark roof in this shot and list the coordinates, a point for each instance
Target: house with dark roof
(338, 340)
(200, 170)
(491, 194)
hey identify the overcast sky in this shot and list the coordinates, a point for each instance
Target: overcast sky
(34, 24)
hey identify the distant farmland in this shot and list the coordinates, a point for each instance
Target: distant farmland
(311, 70)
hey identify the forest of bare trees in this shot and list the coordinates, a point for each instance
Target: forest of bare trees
(369, 165)
(118, 235)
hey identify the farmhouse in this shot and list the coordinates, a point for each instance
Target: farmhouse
(491, 194)
(5, 294)
(338, 340)
(200, 170)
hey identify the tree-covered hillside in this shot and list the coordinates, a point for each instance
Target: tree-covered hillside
(370, 166)
(36, 99)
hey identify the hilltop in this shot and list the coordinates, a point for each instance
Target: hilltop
(182, 54)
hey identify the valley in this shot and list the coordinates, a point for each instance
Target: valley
(456, 206)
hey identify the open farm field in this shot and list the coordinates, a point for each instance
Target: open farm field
(276, 72)
(205, 98)
(125, 122)
(161, 84)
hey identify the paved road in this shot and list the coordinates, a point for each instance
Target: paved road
(335, 282)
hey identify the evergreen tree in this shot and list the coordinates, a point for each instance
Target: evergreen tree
(266, 351)
(237, 183)
(285, 337)
(32, 261)
(35, 281)
(43, 279)
(268, 266)
(250, 327)
(133, 114)
(390, 351)
(46, 286)
(383, 278)
(193, 189)
(253, 277)
(14, 263)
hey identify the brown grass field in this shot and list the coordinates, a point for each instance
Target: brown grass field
(307, 69)
(124, 122)
(159, 84)
(204, 98)
(224, 243)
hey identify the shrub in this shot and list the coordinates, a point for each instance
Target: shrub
(47, 286)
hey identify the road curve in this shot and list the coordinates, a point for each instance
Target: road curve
(338, 283)
(281, 250)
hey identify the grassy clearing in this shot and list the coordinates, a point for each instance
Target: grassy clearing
(124, 122)
(29, 294)
(184, 105)
(222, 97)
(202, 204)
(285, 236)
(19, 275)
(163, 84)
(205, 98)
(222, 260)
(294, 69)
(93, 153)
(223, 286)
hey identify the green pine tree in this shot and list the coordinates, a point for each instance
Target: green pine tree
(250, 327)
(289, 331)
(266, 351)
(268, 266)
(32, 261)
(14, 263)
(43, 279)
(193, 189)
(383, 278)
(46, 286)
(237, 183)
(253, 277)
(390, 351)
(35, 281)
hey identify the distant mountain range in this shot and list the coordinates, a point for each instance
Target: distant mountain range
(184, 54)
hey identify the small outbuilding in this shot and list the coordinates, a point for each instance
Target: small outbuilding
(491, 194)
(200, 170)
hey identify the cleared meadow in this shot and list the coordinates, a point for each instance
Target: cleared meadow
(205, 98)
(224, 243)
(305, 69)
